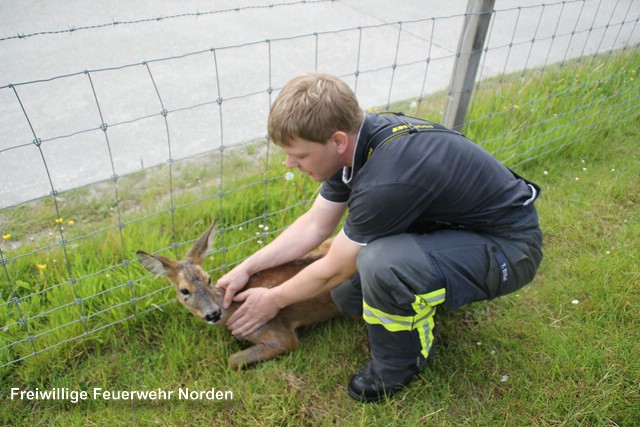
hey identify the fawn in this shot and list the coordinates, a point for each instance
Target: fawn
(197, 293)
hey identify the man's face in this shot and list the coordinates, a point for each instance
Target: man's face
(319, 161)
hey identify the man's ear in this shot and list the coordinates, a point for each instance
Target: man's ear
(341, 139)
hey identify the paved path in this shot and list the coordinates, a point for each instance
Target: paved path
(67, 106)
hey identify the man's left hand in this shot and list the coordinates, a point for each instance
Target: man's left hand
(257, 309)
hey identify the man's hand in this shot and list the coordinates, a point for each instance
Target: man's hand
(257, 309)
(232, 283)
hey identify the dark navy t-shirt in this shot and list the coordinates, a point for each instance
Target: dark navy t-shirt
(421, 182)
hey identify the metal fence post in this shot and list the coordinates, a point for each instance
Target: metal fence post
(465, 68)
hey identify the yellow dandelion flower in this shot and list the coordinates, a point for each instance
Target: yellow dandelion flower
(71, 222)
(516, 107)
(59, 220)
(42, 266)
(6, 236)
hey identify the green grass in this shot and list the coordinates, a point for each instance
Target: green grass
(562, 351)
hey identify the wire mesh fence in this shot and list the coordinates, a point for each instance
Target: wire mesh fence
(98, 163)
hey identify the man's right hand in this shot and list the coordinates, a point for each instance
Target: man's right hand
(232, 283)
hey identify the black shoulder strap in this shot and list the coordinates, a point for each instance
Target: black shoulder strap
(405, 125)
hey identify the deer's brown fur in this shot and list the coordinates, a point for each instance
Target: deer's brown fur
(197, 293)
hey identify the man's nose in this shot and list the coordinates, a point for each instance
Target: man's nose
(290, 162)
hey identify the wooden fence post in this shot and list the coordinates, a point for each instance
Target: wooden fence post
(470, 46)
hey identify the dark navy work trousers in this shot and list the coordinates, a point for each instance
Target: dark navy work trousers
(403, 278)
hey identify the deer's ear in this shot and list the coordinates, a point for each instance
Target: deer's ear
(202, 245)
(156, 264)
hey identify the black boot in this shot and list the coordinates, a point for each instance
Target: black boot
(377, 381)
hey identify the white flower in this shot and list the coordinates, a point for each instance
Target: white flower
(575, 302)
(504, 378)
(545, 173)
(288, 176)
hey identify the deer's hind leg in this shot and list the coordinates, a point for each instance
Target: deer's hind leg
(269, 342)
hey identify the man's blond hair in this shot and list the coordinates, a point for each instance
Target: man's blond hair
(313, 107)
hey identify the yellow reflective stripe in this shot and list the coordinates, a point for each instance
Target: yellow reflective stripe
(426, 334)
(422, 321)
(391, 322)
(432, 298)
(425, 303)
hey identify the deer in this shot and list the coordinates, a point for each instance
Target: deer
(197, 293)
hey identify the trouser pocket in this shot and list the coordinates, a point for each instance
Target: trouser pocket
(498, 272)
(512, 265)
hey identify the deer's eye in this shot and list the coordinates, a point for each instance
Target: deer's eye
(185, 292)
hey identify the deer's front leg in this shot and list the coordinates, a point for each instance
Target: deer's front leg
(271, 340)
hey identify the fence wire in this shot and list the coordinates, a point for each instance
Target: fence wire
(191, 123)
(115, 22)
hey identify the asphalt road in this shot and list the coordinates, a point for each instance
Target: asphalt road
(255, 47)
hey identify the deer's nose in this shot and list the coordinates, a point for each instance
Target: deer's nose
(213, 317)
